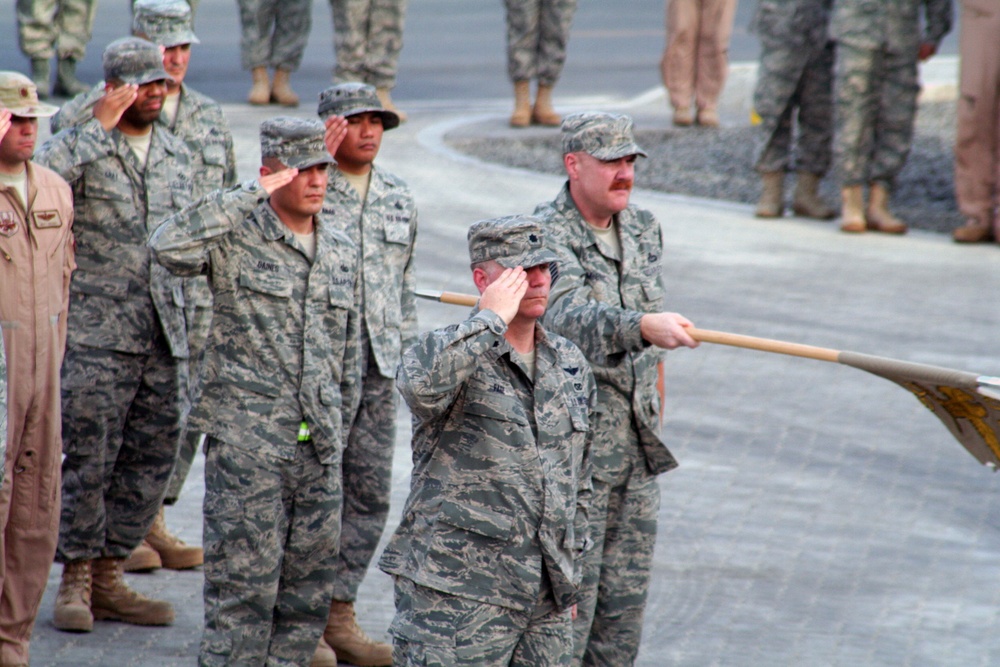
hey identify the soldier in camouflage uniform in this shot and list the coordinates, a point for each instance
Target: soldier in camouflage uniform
(274, 36)
(197, 120)
(367, 38)
(127, 338)
(55, 27)
(537, 34)
(281, 385)
(878, 47)
(376, 210)
(609, 300)
(794, 87)
(486, 558)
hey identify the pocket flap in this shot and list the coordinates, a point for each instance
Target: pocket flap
(475, 520)
(113, 287)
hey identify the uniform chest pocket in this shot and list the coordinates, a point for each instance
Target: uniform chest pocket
(109, 190)
(494, 405)
(341, 296)
(266, 278)
(397, 232)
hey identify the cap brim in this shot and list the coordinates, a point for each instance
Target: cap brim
(390, 119)
(618, 152)
(528, 259)
(308, 161)
(149, 76)
(178, 38)
(34, 111)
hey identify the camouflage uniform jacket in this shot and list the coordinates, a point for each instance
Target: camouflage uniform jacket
(201, 125)
(284, 343)
(384, 227)
(786, 23)
(501, 474)
(597, 303)
(892, 24)
(118, 294)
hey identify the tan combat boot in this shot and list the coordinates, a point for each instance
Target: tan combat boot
(143, 559)
(708, 117)
(852, 212)
(880, 219)
(543, 113)
(350, 642)
(72, 612)
(772, 198)
(324, 656)
(113, 600)
(260, 93)
(172, 550)
(281, 90)
(522, 104)
(977, 229)
(807, 202)
(683, 116)
(385, 97)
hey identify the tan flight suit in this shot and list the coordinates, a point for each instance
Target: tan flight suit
(977, 164)
(696, 59)
(36, 259)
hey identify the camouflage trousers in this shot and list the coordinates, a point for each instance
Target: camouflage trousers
(616, 570)
(49, 27)
(367, 475)
(434, 628)
(792, 90)
(121, 419)
(274, 33)
(876, 106)
(537, 35)
(367, 39)
(270, 539)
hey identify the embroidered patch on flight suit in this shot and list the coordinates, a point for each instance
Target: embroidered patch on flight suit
(8, 223)
(46, 219)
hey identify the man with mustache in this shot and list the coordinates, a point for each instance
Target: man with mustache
(127, 338)
(376, 210)
(486, 557)
(36, 240)
(609, 301)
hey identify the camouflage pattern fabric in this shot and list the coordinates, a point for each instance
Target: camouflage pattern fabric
(284, 350)
(125, 324)
(121, 430)
(794, 85)
(274, 33)
(451, 630)
(119, 295)
(367, 39)
(271, 529)
(605, 136)
(55, 27)
(537, 35)
(165, 22)
(384, 229)
(877, 82)
(501, 474)
(284, 343)
(597, 302)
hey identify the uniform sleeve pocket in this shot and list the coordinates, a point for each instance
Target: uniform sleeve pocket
(91, 284)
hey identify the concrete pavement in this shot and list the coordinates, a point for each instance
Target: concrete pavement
(820, 515)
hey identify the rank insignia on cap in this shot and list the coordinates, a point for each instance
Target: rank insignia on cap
(46, 219)
(8, 223)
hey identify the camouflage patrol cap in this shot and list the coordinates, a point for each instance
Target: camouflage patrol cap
(349, 99)
(605, 136)
(513, 240)
(296, 142)
(19, 94)
(135, 61)
(164, 22)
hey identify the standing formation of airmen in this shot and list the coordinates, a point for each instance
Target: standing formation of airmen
(280, 313)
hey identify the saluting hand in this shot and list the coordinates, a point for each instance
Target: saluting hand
(4, 122)
(109, 109)
(277, 179)
(503, 295)
(336, 130)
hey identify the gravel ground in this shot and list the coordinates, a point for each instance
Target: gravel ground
(718, 164)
